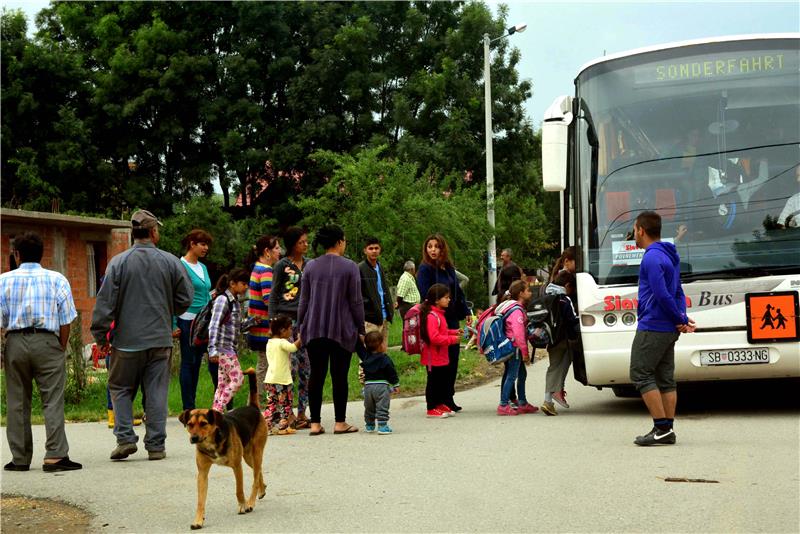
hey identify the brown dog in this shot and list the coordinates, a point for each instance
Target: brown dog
(226, 440)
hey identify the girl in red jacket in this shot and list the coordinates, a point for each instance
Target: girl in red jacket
(436, 338)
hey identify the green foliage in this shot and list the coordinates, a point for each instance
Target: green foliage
(232, 239)
(372, 196)
(77, 378)
(119, 104)
(92, 405)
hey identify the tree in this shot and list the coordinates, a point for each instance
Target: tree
(233, 240)
(45, 144)
(372, 196)
(121, 104)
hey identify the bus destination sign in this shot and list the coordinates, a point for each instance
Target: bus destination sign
(709, 68)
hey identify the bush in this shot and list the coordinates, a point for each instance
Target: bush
(77, 379)
(232, 239)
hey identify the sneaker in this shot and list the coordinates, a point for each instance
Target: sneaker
(436, 413)
(384, 430)
(527, 408)
(64, 464)
(446, 410)
(123, 450)
(656, 437)
(561, 398)
(549, 408)
(156, 455)
(506, 410)
(369, 428)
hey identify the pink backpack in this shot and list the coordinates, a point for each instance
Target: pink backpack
(412, 333)
(488, 312)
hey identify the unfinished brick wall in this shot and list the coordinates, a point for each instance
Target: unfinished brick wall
(65, 251)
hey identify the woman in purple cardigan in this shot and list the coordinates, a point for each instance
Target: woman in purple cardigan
(331, 318)
(437, 268)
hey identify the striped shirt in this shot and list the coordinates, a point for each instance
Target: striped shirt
(222, 335)
(260, 288)
(407, 289)
(31, 296)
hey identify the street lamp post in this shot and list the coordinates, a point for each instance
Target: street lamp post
(487, 94)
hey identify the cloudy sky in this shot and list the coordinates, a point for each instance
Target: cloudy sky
(563, 36)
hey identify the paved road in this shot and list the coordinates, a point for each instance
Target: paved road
(577, 472)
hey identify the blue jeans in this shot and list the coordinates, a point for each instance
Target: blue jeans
(515, 371)
(191, 360)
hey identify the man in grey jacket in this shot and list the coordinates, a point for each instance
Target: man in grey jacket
(143, 288)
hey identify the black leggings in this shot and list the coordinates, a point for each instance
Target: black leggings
(453, 353)
(319, 352)
(437, 390)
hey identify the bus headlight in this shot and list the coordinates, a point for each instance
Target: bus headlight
(629, 319)
(587, 320)
(610, 319)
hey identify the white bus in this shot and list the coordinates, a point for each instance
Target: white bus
(707, 133)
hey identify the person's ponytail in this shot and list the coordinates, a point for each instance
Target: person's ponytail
(435, 292)
(222, 284)
(568, 254)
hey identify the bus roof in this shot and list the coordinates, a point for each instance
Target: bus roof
(707, 40)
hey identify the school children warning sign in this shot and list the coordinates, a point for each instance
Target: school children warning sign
(772, 316)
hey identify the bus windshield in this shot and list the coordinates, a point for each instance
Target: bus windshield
(706, 135)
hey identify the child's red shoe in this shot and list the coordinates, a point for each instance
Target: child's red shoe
(527, 408)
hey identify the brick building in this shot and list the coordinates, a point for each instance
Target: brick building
(77, 247)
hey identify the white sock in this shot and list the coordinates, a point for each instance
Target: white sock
(548, 397)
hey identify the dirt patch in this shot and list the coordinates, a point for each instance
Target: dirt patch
(26, 514)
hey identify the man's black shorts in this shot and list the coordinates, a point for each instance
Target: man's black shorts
(653, 361)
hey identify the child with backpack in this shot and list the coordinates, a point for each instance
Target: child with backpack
(558, 351)
(436, 338)
(223, 331)
(517, 299)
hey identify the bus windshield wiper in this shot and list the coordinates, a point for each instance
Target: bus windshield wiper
(739, 272)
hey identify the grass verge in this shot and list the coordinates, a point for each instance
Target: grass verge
(472, 370)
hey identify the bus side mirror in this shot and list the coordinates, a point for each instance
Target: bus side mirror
(555, 131)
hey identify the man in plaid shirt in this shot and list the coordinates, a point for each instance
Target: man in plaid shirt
(37, 309)
(407, 292)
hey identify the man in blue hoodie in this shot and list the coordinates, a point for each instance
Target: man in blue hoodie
(662, 318)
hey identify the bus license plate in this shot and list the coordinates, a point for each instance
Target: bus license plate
(734, 356)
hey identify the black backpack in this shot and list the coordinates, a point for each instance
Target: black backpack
(198, 333)
(545, 327)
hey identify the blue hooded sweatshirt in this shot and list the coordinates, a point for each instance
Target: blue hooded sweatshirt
(662, 304)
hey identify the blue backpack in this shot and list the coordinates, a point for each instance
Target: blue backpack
(492, 339)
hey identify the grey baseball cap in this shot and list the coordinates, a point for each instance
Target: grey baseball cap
(144, 219)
